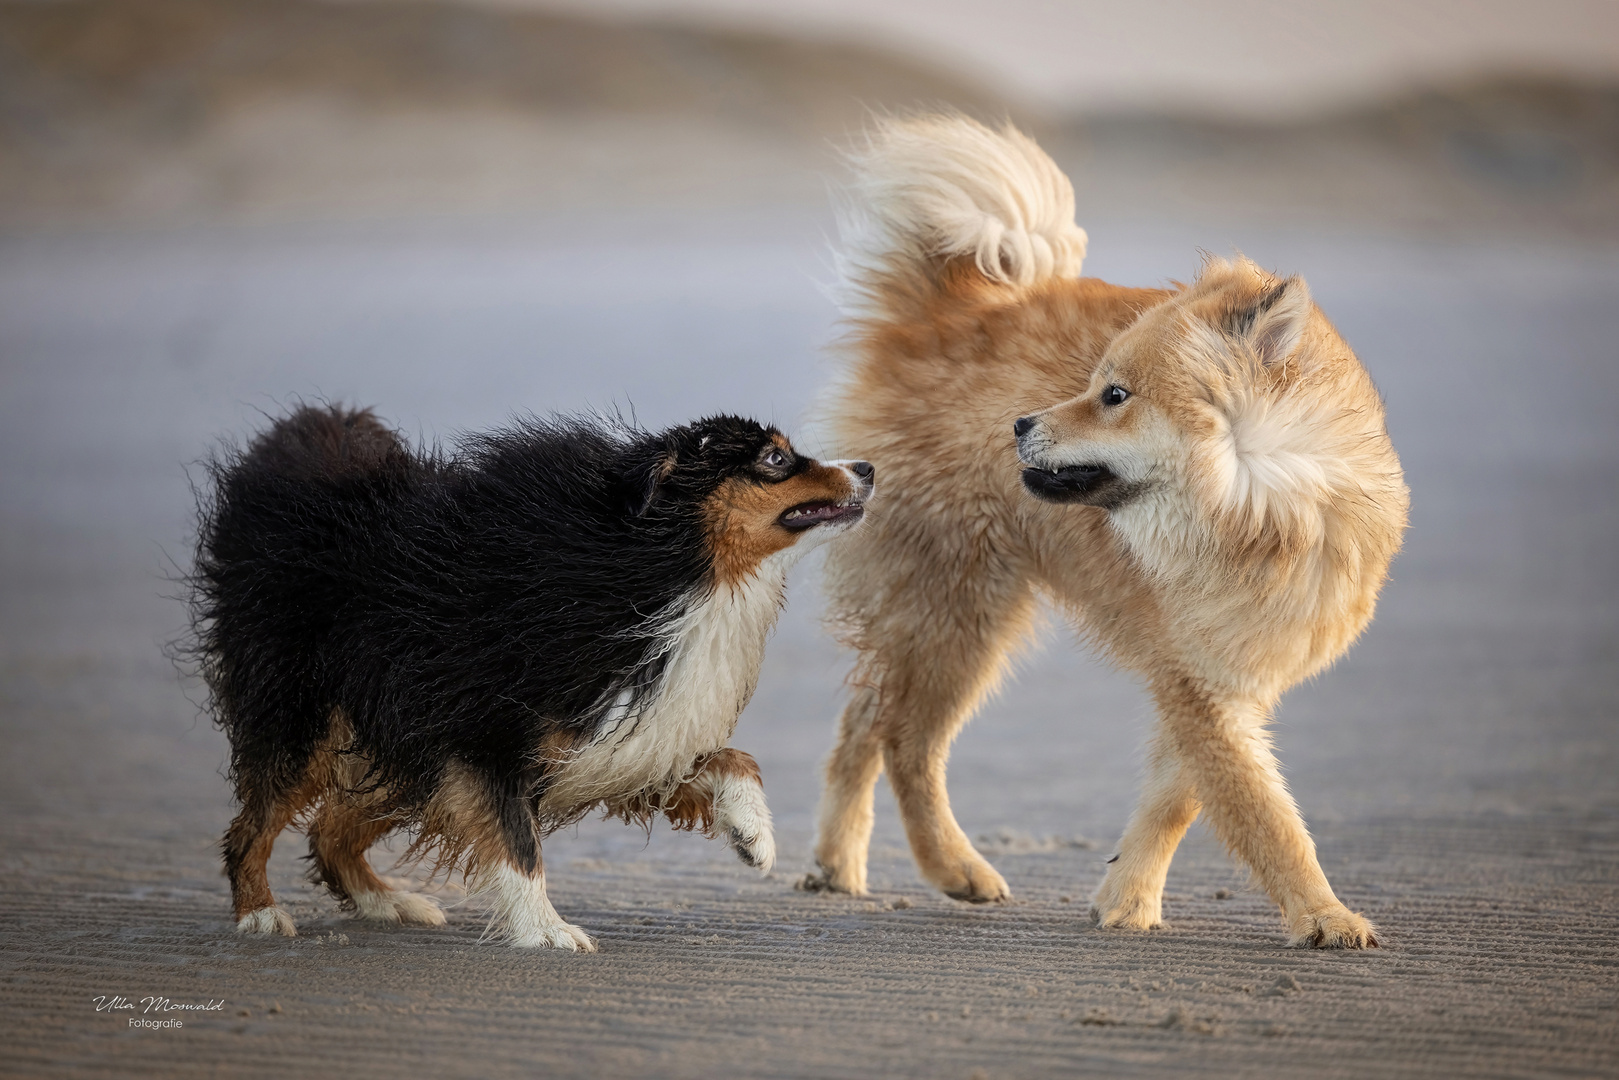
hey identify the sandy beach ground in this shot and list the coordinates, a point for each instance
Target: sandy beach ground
(1458, 768)
(457, 234)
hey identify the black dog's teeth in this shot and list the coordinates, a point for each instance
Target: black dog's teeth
(815, 510)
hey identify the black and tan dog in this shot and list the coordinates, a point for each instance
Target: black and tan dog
(485, 646)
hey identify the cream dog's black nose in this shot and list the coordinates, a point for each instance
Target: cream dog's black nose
(863, 469)
(1023, 426)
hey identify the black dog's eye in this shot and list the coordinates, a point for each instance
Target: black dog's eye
(775, 459)
(1114, 395)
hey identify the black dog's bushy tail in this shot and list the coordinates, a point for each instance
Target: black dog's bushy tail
(329, 443)
(268, 581)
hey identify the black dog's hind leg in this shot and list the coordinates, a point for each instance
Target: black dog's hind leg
(339, 835)
(247, 847)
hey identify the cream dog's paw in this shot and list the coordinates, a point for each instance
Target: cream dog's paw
(1121, 907)
(833, 879)
(971, 879)
(267, 920)
(1333, 927)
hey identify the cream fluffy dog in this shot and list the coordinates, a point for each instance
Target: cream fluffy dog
(1200, 477)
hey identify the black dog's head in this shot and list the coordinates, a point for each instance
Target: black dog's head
(756, 494)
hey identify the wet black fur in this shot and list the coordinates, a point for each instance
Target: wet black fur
(453, 606)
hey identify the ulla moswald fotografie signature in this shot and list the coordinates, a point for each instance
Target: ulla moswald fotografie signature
(154, 1004)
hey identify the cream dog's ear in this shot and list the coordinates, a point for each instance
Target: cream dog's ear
(1272, 322)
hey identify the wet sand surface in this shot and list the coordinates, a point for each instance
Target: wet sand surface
(1459, 769)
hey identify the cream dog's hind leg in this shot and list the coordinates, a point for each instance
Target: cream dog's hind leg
(848, 802)
(933, 662)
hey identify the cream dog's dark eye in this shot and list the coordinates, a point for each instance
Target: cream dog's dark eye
(1114, 395)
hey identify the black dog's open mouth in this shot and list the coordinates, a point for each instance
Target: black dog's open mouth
(810, 514)
(1071, 483)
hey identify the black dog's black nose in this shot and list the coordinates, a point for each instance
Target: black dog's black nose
(1023, 426)
(863, 469)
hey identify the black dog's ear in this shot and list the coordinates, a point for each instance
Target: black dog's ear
(646, 477)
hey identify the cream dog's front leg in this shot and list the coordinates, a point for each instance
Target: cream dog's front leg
(1224, 750)
(1131, 894)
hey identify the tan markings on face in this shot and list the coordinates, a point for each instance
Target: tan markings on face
(1071, 420)
(1140, 361)
(1086, 419)
(743, 517)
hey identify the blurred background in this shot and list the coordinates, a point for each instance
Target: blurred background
(1442, 115)
(458, 212)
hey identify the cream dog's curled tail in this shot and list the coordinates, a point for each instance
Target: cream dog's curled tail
(929, 189)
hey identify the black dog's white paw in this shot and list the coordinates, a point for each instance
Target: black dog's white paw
(267, 920)
(740, 809)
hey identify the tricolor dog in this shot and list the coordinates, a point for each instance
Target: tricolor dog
(484, 646)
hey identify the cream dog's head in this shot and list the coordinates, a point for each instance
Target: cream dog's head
(1234, 400)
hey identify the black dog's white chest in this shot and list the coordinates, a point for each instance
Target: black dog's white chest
(718, 646)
